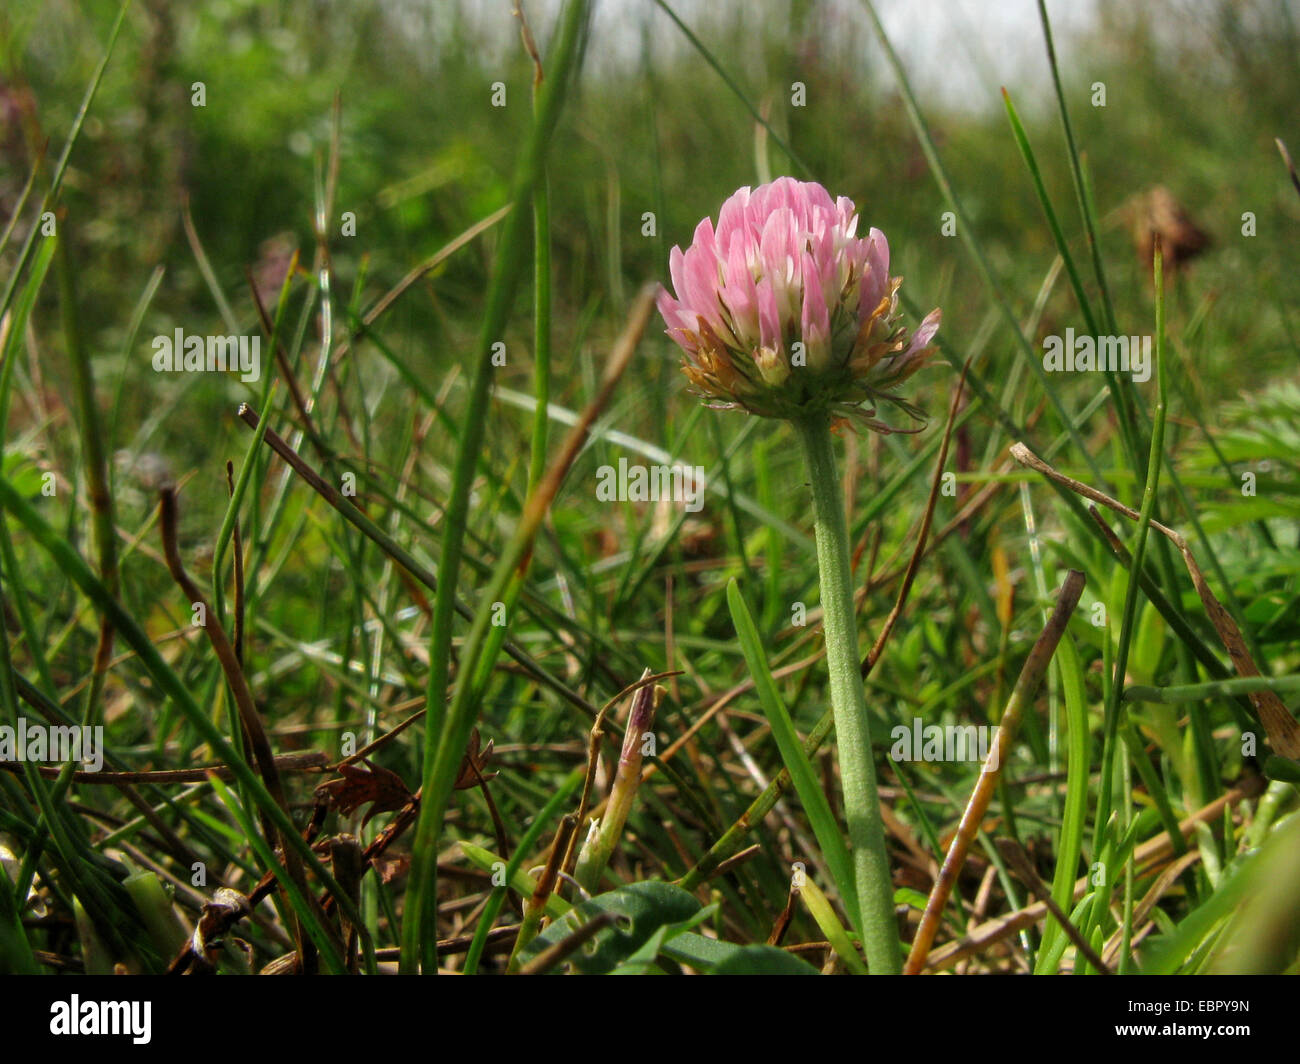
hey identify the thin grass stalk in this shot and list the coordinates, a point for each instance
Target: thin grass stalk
(1132, 588)
(473, 662)
(966, 231)
(170, 685)
(1027, 684)
(419, 924)
(94, 463)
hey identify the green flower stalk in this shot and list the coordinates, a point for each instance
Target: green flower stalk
(784, 312)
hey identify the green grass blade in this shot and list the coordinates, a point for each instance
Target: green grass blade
(419, 933)
(829, 835)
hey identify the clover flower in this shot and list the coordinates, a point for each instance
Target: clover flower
(783, 311)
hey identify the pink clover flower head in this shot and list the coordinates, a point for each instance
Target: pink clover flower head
(783, 310)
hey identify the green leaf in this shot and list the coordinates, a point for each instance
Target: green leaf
(699, 952)
(712, 957)
(828, 833)
(1282, 768)
(1168, 953)
(518, 880)
(830, 926)
(913, 899)
(26, 477)
(642, 962)
(1073, 820)
(642, 910)
(763, 960)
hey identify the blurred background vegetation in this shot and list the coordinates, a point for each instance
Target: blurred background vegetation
(1195, 91)
(1195, 94)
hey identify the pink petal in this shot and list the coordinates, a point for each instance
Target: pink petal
(875, 280)
(674, 314)
(814, 200)
(780, 257)
(733, 219)
(700, 276)
(676, 271)
(703, 238)
(816, 319)
(848, 215)
(924, 332)
(678, 320)
(769, 319)
(878, 252)
(739, 294)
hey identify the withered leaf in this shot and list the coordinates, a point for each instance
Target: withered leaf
(226, 907)
(389, 868)
(348, 863)
(357, 786)
(289, 964)
(471, 769)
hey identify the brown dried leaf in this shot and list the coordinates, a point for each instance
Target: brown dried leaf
(1158, 215)
(226, 907)
(288, 964)
(390, 868)
(1282, 729)
(384, 789)
(471, 769)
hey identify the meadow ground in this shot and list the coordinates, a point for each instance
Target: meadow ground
(451, 460)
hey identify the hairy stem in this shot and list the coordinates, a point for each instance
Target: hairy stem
(848, 700)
